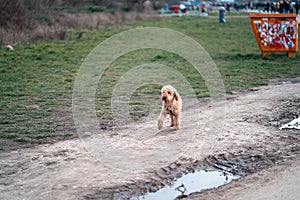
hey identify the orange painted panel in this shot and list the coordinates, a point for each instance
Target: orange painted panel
(275, 32)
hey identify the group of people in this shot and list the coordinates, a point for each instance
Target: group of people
(283, 6)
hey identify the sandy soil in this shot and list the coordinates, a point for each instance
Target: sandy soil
(117, 164)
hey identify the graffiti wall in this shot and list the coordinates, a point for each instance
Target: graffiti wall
(275, 33)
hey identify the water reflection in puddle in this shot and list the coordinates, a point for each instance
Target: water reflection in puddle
(189, 183)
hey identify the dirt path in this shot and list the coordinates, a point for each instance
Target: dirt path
(137, 158)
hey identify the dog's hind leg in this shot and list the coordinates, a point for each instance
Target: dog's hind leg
(172, 120)
(177, 121)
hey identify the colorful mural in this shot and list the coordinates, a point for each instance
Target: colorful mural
(276, 32)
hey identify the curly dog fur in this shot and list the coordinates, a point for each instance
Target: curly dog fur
(171, 105)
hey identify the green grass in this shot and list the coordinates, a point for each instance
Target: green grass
(36, 80)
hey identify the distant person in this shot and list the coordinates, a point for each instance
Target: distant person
(260, 7)
(236, 6)
(203, 7)
(182, 8)
(286, 7)
(291, 7)
(267, 7)
(148, 6)
(251, 5)
(280, 6)
(273, 7)
(166, 7)
(297, 6)
(227, 6)
(222, 18)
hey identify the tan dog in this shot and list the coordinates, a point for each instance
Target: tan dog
(171, 105)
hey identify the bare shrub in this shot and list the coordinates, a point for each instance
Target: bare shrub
(32, 20)
(10, 36)
(12, 12)
(43, 32)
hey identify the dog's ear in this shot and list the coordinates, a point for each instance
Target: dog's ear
(176, 96)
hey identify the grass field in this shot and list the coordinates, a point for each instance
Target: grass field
(37, 79)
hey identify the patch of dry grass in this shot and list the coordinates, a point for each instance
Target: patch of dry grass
(30, 20)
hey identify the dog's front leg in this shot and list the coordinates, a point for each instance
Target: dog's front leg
(161, 119)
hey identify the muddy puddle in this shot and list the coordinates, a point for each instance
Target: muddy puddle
(190, 183)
